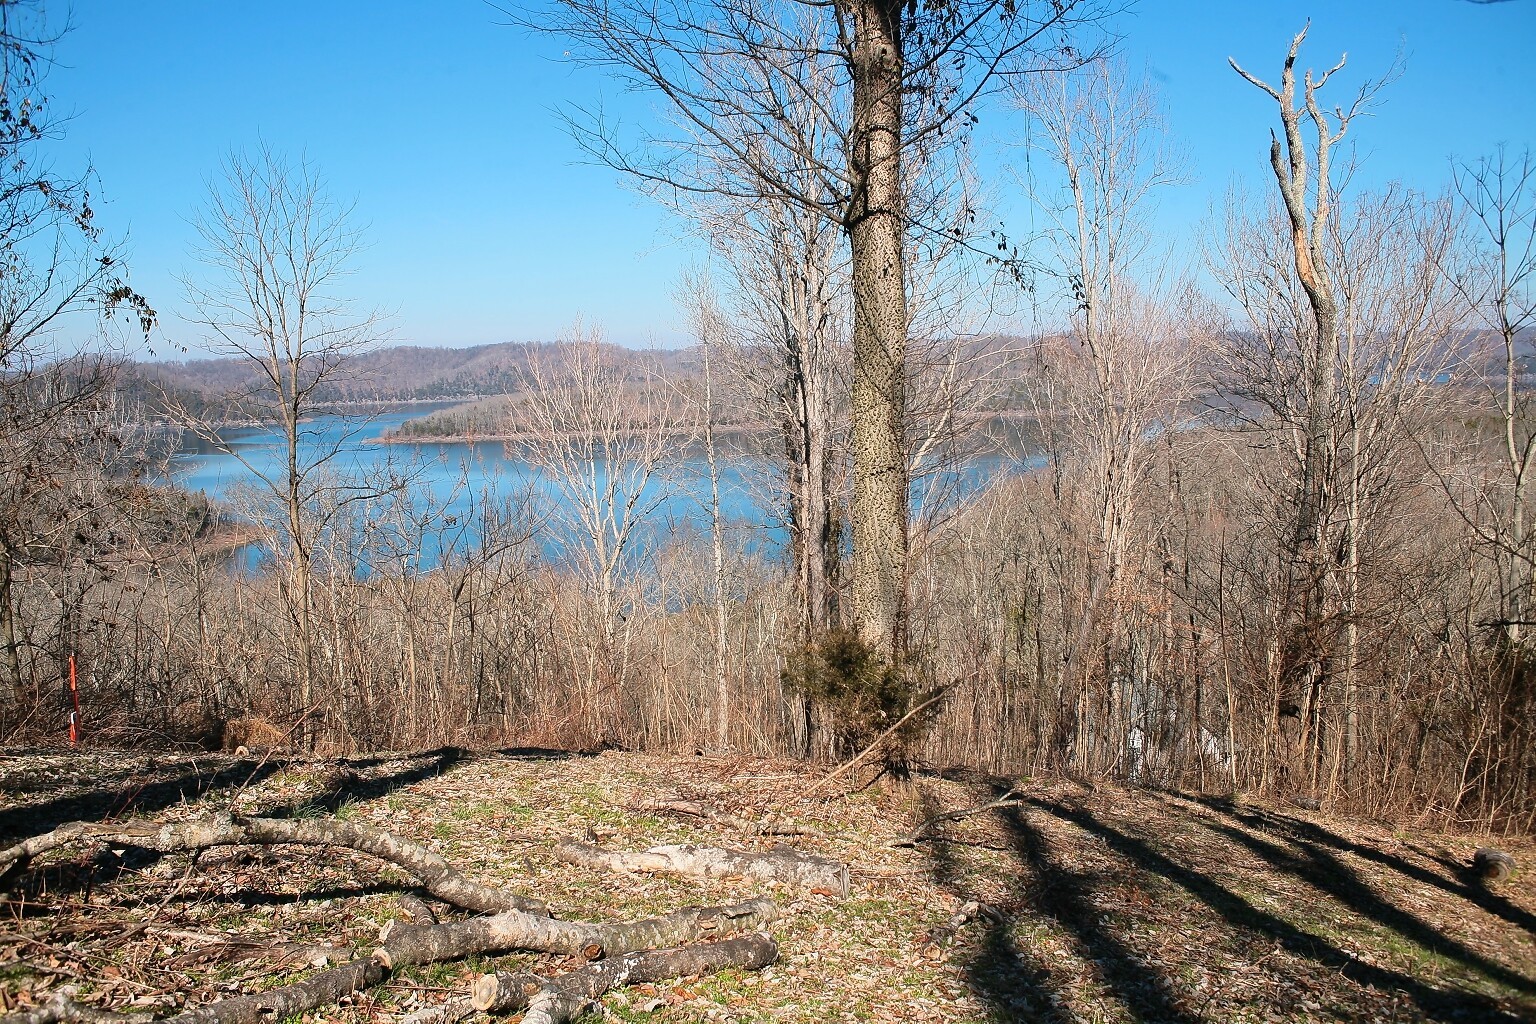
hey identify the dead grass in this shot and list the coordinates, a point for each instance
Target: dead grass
(1109, 904)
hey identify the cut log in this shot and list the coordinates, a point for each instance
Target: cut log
(436, 875)
(1492, 865)
(414, 944)
(554, 1001)
(781, 864)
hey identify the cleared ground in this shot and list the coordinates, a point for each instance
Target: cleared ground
(1107, 904)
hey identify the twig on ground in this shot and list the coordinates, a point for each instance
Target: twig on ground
(1012, 798)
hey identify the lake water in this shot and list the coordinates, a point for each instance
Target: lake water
(445, 488)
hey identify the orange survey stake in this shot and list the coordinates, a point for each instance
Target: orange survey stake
(74, 696)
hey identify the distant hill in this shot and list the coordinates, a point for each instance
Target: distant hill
(402, 373)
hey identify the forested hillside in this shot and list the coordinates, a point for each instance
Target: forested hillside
(1070, 576)
(389, 373)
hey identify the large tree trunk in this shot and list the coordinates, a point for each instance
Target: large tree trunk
(875, 231)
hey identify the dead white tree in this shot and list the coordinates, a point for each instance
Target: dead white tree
(602, 446)
(1304, 175)
(1398, 322)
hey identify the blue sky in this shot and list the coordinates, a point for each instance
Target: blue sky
(485, 225)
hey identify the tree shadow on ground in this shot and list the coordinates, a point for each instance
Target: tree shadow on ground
(1312, 837)
(1237, 912)
(251, 897)
(82, 873)
(1326, 873)
(1014, 982)
(1066, 897)
(348, 787)
(123, 795)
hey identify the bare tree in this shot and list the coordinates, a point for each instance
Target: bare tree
(56, 269)
(277, 247)
(1498, 196)
(1398, 321)
(1117, 387)
(706, 321)
(902, 84)
(787, 358)
(602, 446)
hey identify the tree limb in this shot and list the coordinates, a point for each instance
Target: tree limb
(554, 1001)
(436, 875)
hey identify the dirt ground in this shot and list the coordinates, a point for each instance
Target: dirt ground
(1100, 903)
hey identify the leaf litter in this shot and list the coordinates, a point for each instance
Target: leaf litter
(1074, 902)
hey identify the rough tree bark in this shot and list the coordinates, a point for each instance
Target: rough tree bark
(875, 225)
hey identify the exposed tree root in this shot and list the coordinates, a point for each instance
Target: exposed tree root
(436, 875)
(781, 864)
(554, 1001)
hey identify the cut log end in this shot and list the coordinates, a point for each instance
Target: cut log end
(1492, 865)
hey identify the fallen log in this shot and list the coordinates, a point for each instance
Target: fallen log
(436, 875)
(1492, 865)
(417, 944)
(405, 944)
(781, 864)
(60, 1007)
(557, 1000)
(317, 990)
